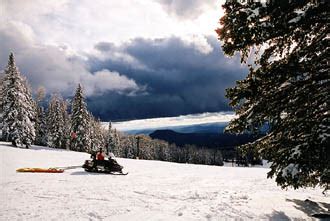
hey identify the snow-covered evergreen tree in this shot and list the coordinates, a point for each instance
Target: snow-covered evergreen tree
(67, 125)
(111, 139)
(127, 148)
(18, 107)
(97, 134)
(1, 99)
(116, 137)
(80, 123)
(287, 88)
(57, 123)
(40, 122)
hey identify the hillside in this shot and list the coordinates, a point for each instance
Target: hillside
(211, 140)
(152, 191)
(215, 127)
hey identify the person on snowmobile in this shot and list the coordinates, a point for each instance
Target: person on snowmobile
(100, 155)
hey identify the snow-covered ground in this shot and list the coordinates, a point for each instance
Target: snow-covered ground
(152, 190)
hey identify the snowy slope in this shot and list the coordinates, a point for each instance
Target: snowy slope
(152, 191)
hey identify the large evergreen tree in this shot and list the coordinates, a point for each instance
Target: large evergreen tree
(287, 87)
(1, 99)
(80, 123)
(67, 124)
(18, 107)
(40, 122)
(57, 122)
(98, 139)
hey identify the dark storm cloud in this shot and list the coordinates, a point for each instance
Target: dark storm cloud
(104, 46)
(141, 78)
(179, 78)
(184, 9)
(52, 67)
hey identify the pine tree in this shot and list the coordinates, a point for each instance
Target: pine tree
(80, 123)
(66, 124)
(128, 147)
(97, 134)
(287, 87)
(1, 100)
(57, 132)
(40, 122)
(116, 137)
(111, 139)
(18, 107)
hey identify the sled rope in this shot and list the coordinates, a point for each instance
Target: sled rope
(68, 167)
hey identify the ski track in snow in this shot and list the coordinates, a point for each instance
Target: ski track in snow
(152, 190)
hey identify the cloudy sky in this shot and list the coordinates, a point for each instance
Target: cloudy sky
(136, 59)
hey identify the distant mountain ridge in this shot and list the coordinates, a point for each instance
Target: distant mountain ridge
(210, 140)
(216, 127)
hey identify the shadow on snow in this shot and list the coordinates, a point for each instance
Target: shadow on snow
(319, 210)
(278, 215)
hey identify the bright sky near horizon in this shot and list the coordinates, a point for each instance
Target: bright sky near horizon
(183, 120)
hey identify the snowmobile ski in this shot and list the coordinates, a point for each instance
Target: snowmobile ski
(122, 174)
(109, 173)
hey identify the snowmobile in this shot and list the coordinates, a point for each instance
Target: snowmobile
(110, 166)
